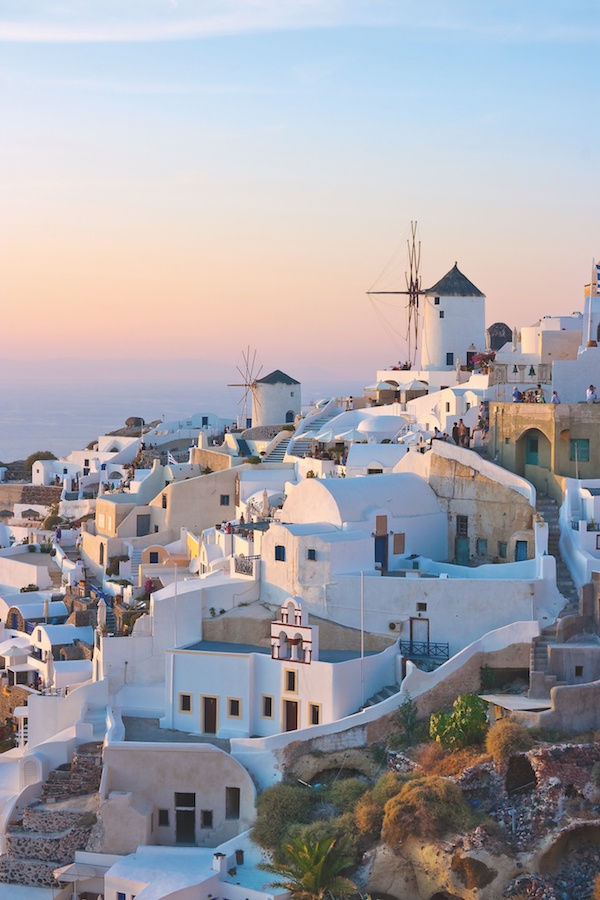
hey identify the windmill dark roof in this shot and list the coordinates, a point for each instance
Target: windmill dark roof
(277, 377)
(454, 284)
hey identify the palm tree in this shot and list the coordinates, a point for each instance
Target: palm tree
(312, 869)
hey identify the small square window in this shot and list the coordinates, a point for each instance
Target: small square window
(314, 713)
(163, 818)
(578, 671)
(421, 607)
(234, 708)
(206, 818)
(507, 440)
(224, 499)
(436, 301)
(185, 703)
(311, 553)
(441, 313)
(447, 407)
(502, 550)
(290, 681)
(153, 556)
(449, 362)
(267, 707)
(164, 501)
(121, 895)
(280, 552)
(185, 800)
(482, 546)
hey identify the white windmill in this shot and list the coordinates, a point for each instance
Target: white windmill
(249, 400)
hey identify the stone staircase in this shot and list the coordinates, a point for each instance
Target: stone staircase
(388, 691)
(278, 453)
(548, 509)
(54, 828)
(82, 776)
(55, 573)
(300, 447)
(136, 559)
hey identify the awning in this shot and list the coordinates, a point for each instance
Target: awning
(78, 871)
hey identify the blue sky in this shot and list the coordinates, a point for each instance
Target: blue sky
(176, 175)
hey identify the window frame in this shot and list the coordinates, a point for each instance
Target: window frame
(184, 696)
(231, 701)
(582, 444)
(314, 708)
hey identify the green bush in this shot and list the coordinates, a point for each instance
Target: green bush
(506, 738)
(465, 725)
(344, 793)
(428, 807)
(39, 454)
(277, 808)
(341, 828)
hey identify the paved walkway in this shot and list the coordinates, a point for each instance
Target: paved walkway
(140, 729)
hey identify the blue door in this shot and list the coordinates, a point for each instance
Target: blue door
(520, 551)
(531, 451)
(381, 551)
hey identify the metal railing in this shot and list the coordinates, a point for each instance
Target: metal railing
(244, 565)
(424, 650)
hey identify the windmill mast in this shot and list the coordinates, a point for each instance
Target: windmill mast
(413, 292)
(249, 377)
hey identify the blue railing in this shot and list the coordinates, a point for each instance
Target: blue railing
(424, 650)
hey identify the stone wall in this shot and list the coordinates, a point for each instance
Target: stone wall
(83, 776)
(10, 698)
(31, 872)
(58, 848)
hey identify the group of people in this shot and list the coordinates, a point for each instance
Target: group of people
(532, 396)
(537, 395)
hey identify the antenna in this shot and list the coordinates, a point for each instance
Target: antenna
(249, 377)
(413, 291)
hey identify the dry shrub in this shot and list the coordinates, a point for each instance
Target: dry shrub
(506, 738)
(429, 755)
(436, 761)
(596, 890)
(427, 807)
(368, 812)
(368, 816)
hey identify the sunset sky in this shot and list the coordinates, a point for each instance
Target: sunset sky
(188, 178)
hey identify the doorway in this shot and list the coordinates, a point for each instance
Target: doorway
(185, 818)
(461, 551)
(291, 715)
(419, 631)
(520, 551)
(532, 450)
(209, 715)
(142, 525)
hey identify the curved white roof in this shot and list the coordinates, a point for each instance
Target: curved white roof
(340, 500)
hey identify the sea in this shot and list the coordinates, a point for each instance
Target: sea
(62, 405)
